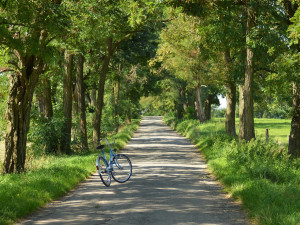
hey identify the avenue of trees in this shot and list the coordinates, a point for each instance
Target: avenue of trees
(250, 48)
(73, 71)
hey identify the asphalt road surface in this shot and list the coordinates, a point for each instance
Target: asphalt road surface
(170, 185)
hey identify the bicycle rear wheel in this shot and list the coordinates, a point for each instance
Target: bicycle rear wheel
(103, 171)
(122, 168)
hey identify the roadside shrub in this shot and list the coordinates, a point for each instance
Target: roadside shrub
(260, 174)
(45, 133)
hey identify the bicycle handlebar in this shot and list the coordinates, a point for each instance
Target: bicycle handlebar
(107, 142)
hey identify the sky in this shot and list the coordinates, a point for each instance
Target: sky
(222, 102)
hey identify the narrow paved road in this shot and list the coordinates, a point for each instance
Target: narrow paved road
(170, 186)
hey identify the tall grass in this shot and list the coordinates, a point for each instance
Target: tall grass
(48, 178)
(261, 175)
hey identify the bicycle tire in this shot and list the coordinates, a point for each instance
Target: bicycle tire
(122, 168)
(102, 168)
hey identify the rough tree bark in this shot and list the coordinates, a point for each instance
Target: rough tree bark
(198, 104)
(246, 125)
(46, 111)
(207, 106)
(22, 85)
(44, 98)
(230, 108)
(81, 103)
(67, 104)
(294, 138)
(230, 96)
(116, 90)
(181, 103)
(93, 98)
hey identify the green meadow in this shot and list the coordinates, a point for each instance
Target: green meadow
(279, 129)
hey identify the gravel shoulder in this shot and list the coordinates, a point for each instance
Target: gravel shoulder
(170, 185)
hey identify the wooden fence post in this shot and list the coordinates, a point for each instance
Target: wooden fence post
(267, 134)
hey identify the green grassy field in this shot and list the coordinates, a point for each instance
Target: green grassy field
(279, 129)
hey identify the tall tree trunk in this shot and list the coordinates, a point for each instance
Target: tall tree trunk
(19, 103)
(294, 138)
(94, 98)
(247, 112)
(81, 102)
(46, 110)
(207, 107)
(117, 99)
(241, 111)
(230, 97)
(67, 104)
(198, 104)
(101, 84)
(44, 98)
(230, 108)
(181, 104)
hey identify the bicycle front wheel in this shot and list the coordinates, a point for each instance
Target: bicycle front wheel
(122, 169)
(103, 171)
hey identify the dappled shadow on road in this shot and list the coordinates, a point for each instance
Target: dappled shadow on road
(169, 185)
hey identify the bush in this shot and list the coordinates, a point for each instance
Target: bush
(45, 133)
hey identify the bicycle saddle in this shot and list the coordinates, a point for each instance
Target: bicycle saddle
(100, 147)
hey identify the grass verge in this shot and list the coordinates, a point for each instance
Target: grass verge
(21, 194)
(261, 175)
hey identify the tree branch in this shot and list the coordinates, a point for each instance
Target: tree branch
(4, 70)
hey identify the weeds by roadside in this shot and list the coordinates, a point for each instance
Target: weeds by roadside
(259, 173)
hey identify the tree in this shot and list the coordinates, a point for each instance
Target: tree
(67, 103)
(293, 15)
(119, 21)
(182, 54)
(26, 28)
(246, 110)
(81, 102)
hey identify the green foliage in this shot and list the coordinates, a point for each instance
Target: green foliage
(148, 106)
(45, 133)
(259, 174)
(219, 112)
(181, 53)
(27, 19)
(294, 29)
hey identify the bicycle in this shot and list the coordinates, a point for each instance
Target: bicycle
(118, 166)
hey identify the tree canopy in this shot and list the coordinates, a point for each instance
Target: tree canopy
(75, 71)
